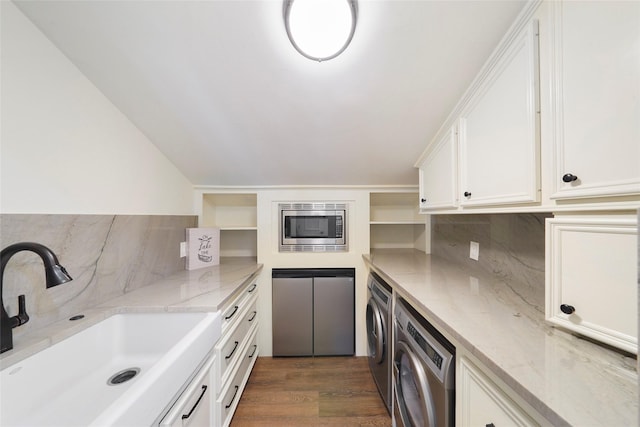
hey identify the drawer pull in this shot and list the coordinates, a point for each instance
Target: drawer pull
(569, 177)
(204, 390)
(252, 288)
(255, 313)
(232, 351)
(233, 313)
(255, 348)
(232, 399)
(490, 425)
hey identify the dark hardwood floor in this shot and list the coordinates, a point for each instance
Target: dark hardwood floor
(307, 391)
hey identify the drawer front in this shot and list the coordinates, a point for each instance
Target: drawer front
(232, 312)
(193, 407)
(229, 398)
(228, 350)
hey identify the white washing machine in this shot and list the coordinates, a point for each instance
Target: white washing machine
(423, 372)
(379, 335)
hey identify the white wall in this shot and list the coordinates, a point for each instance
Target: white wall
(268, 255)
(64, 146)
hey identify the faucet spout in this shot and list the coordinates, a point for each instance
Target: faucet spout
(55, 275)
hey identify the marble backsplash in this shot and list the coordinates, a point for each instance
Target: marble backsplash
(511, 248)
(106, 255)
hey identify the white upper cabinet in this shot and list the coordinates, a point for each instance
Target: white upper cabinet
(499, 130)
(596, 98)
(591, 277)
(438, 174)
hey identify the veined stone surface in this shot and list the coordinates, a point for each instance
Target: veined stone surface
(106, 255)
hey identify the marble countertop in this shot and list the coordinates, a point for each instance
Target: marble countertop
(203, 290)
(568, 380)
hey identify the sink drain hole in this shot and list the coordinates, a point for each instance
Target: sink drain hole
(123, 376)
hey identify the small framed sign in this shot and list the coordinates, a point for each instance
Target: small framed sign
(203, 247)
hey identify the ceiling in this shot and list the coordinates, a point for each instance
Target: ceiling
(218, 88)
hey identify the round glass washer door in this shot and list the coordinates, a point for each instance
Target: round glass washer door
(375, 332)
(414, 399)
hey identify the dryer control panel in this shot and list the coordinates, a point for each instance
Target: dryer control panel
(431, 353)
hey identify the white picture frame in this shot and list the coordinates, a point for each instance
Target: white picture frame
(203, 247)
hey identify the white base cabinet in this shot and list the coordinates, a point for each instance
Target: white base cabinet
(229, 396)
(235, 352)
(591, 277)
(481, 402)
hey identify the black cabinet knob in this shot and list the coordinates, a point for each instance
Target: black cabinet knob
(423, 200)
(467, 194)
(567, 177)
(490, 425)
(567, 309)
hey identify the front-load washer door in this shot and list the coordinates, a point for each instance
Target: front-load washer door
(375, 332)
(413, 395)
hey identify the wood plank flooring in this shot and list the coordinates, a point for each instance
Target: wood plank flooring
(307, 391)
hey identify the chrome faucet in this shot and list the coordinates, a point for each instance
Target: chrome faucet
(55, 275)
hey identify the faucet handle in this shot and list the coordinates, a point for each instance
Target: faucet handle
(22, 316)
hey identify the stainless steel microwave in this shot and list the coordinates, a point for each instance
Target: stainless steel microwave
(313, 227)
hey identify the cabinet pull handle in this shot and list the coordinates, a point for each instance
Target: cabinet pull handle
(490, 425)
(255, 348)
(204, 390)
(567, 309)
(252, 288)
(232, 399)
(467, 194)
(255, 313)
(232, 351)
(567, 177)
(423, 200)
(232, 313)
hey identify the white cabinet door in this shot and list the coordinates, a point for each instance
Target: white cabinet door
(591, 277)
(597, 98)
(499, 137)
(481, 402)
(439, 174)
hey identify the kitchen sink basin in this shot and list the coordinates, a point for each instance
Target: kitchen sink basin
(124, 370)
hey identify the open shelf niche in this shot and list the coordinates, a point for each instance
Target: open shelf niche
(236, 216)
(395, 221)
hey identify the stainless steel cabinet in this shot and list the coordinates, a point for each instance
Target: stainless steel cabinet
(313, 312)
(292, 316)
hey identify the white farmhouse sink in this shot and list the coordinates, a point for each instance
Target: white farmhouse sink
(66, 384)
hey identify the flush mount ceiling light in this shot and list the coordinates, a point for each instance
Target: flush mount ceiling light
(320, 29)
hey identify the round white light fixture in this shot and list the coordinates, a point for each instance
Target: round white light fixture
(320, 29)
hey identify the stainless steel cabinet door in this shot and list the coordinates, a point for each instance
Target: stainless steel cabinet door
(292, 316)
(333, 320)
